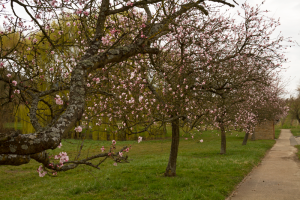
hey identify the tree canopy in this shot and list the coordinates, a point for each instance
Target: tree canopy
(134, 63)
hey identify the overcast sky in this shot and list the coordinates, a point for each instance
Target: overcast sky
(289, 13)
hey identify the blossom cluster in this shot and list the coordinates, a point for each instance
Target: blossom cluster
(63, 157)
(78, 129)
(58, 100)
(41, 171)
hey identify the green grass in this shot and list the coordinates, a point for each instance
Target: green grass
(295, 131)
(298, 153)
(277, 133)
(202, 173)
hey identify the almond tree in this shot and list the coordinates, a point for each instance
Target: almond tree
(268, 105)
(203, 68)
(242, 67)
(108, 33)
(294, 106)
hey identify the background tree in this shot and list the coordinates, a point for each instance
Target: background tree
(294, 106)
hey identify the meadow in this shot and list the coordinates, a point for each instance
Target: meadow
(202, 173)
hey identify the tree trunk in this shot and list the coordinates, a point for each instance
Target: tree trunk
(223, 140)
(253, 136)
(165, 130)
(171, 168)
(245, 138)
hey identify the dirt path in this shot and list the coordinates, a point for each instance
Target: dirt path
(278, 176)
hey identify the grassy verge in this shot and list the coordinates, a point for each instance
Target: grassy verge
(202, 173)
(295, 131)
(277, 133)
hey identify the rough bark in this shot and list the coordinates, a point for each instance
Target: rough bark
(50, 137)
(171, 168)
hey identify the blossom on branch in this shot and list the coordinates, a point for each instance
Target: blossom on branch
(78, 129)
(140, 139)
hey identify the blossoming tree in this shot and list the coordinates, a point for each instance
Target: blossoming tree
(107, 33)
(205, 67)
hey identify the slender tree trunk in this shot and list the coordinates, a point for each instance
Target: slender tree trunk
(223, 140)
(245, 138)
(165, 130)
(253, 136)
(171, 168)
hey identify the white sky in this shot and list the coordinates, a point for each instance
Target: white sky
(289, 13)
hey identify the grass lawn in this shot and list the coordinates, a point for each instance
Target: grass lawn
(202, 173)
(296, 132)
(277, 133)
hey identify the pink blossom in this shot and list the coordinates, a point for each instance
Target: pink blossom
(1, 64)
(17, 91)
(8, 75)
(14, 82)
(140, 139)
(186, 138)
(68, 24)
(59, 146)
(51, 69)
(129, 3)
(105, 40)
(102, 149)
(78, 129)
(201, 140)
(114, 142)
(42, 174)
(41, 171)
(63, 157)
(86, 13)
(141, 98)
(53, 3)
(115, 164)
(79, 11)
(59, 101)
(120, 154)
(88, 85)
